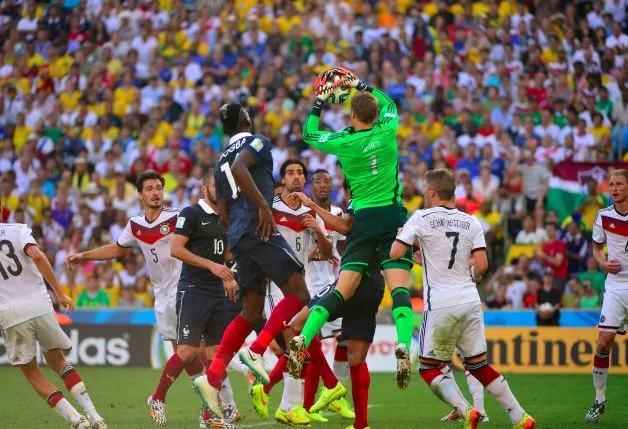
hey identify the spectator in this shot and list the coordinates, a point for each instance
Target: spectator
(589, 300)
(486, 184)
(533, 286)
(531, 234)
(498, 300)
(535, 181)
(93, 296)
(554, 256)
(592, 273)
(573, 293)
(129, 299)
(548, 302)
(577, 248)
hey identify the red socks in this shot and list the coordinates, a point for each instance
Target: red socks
(601, 360)
(429, 374)
(276, 375)
(54, 398)
(310, 385)
(341, 354)
(317, 358)
(360, 381)
(485, 374)
(70, 377)
(171, 372)
(232, 340)
(281, 314)
(194, 368)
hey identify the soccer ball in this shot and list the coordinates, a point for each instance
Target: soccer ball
(333, 84)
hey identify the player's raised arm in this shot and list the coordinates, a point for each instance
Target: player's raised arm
(324, 141)
(242, 175)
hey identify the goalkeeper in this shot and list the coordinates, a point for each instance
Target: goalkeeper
(367, 151)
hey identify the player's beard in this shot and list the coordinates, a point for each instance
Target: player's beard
(294, 187)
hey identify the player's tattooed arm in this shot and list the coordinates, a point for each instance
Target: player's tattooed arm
(242, 175)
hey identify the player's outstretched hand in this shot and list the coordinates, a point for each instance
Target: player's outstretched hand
(222, 271)
(301, 197)
(266, 225)
(231, 290)
(73, 261)
(611, 267)
(66, 303)
(350, 78)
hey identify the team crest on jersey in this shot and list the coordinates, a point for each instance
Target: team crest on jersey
(164, 229)
(257, 144)
(602, 318)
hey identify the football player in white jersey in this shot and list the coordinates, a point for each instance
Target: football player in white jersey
(27, 318)
(305, 233)
(153, 232)
(610, 230)
(324, 272)
(454, 260)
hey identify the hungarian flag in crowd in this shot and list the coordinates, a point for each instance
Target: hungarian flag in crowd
(568, 184)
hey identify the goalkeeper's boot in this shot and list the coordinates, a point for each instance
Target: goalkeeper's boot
(316, 417)
(157, 410)
(526, 422)
(404, 366)
(342, 407)
(260, 400)
(255, 363)
(297, 416)
(297, 356)
(328, 396)
(596, 410)
(472, 420)
(453, 416)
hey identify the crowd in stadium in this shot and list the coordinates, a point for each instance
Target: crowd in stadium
(96, 92)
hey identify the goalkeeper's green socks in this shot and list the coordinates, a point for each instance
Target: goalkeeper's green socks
(320, 315)
(403, 315)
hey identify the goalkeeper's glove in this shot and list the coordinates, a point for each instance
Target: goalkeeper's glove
(352, 79)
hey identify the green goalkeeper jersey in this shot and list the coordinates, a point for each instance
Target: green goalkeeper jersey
(369, 158)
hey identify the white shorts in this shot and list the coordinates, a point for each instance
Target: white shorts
(331, 329)
(458, 328)
(21, 340)
(166, 315)
(273, 296)
(614, 310)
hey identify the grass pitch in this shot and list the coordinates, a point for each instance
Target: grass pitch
(556, 401)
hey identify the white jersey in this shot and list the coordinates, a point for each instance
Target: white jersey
(611, 227)
(23, 293)
(447, 237)
(323, 273)
(155, 240)
(290, 226)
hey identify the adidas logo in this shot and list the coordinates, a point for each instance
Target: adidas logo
(612, 225)
(283, 219)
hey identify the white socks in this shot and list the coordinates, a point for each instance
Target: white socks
(447, 390)
(600, 375)
(477, 392)
(292, 393)
(226, 395)
(501, 391)
(67, 411)
(341, 370)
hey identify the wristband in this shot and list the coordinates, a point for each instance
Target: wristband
(317, 107)
(361, 86)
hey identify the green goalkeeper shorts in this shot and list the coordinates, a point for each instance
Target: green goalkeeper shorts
(373, 233)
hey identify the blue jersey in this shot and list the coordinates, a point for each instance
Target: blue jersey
(243, 216)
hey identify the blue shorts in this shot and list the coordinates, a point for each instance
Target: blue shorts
(258, 260)
(201, 316)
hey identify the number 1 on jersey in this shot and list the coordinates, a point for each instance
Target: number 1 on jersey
(374, 165)
(226, 168)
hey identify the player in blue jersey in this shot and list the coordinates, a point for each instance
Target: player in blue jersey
(244, 192)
